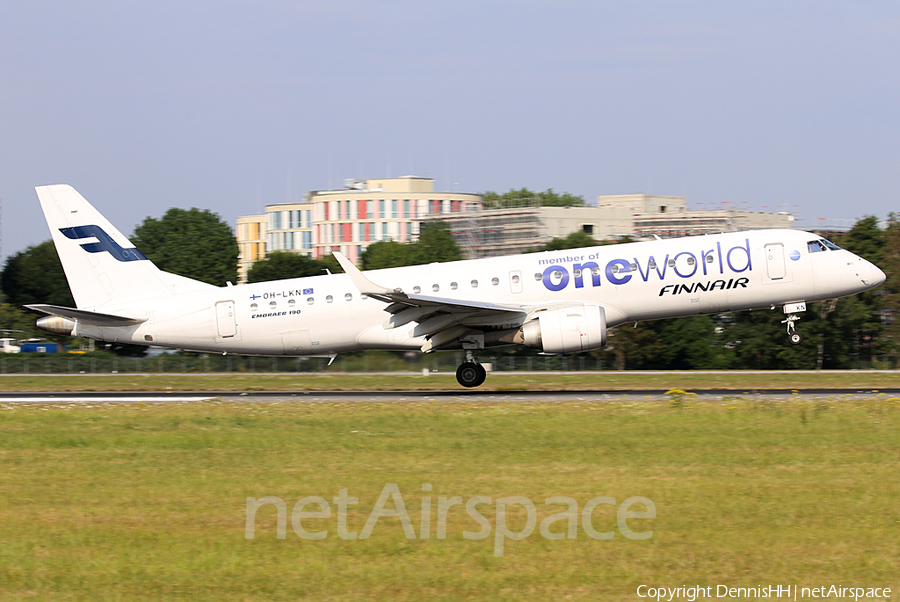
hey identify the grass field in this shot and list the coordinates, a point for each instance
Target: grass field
(497, 381)
(128, 502)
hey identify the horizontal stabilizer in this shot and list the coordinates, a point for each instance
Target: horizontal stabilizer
(87, 317)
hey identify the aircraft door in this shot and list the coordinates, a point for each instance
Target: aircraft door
(515, 282)
(775, 261)
(225, 322)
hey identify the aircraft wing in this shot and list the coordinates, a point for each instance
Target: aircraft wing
(86, 317)
(439, 319)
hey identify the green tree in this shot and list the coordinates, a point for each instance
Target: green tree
(691, 343)
(190, 242)
(575, 240)
(890, 264)
(386, 254)
(330, 263)
(435, 243)
(634, 345)
(18, 323)
(866, 239)
(35, 275)
(281, 265)
(859, 316)
(524, 196)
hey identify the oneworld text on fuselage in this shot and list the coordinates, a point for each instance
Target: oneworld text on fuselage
(684, 264)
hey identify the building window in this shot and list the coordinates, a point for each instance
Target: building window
(588, 229)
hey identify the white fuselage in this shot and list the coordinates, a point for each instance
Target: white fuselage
(632, 282)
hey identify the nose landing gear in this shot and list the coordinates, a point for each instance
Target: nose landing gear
(793, 336)
(470, 373)
(790, 309)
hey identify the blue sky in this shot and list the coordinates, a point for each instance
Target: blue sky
(232, 105)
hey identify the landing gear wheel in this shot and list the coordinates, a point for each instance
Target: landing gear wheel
(470, 374)
(795, 338)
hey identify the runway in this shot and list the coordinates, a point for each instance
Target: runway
(469, 396)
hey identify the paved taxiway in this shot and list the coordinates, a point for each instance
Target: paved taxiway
(427, 396)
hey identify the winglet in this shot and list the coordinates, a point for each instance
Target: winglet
(365, 286)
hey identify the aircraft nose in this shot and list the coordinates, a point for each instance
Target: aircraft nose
(871, 274)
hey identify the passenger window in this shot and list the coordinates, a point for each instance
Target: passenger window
(348, 297)
(435, 287)
(291, 302)
(254, 307)
(633, 266)
(272, 305)
(576, 273)
(652, 265)
(709, 259)
(815, 246)
(453, 286)
(671, 263)
(474, 284)
(690, 261)
(329, 299)
(496, 281)
(595, 271)
(310, 300)
(515, 279)
(538, 277)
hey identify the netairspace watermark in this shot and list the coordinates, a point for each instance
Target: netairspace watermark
(502, 532)
(788, 592)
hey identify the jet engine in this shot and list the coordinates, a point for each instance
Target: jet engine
(57, 325)
(569, 330)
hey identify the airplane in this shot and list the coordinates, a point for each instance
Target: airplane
(557, 302)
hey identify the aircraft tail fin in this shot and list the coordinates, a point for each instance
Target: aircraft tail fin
(101, 264)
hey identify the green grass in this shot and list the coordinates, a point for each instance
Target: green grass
(125, 502)
(496, 381)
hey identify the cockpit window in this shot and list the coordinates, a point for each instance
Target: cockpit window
(830, 245)
(815, 246)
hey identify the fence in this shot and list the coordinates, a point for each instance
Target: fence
(355, 362)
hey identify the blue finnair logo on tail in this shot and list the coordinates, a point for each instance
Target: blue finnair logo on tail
(104, 243)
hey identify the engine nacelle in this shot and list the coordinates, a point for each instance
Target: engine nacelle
(569, 330)
(56, 325)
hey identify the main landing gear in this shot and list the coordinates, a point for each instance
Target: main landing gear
(470, 373)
